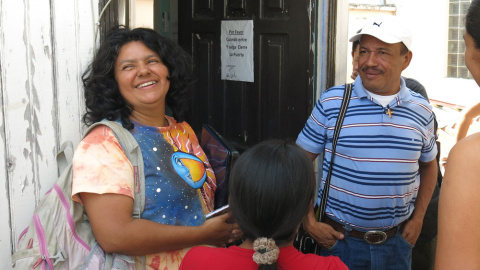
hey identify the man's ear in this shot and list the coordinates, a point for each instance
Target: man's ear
(407, 59)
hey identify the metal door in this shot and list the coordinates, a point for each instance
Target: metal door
(278, 102)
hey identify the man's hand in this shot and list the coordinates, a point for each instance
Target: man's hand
(354, 73)
(323, 233)
(411, 230)
(428, 180)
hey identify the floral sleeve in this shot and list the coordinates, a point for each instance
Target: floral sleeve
(100, 166)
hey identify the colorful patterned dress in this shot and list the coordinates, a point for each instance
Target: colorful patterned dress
(179, 182)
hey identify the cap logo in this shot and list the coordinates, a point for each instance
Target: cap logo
(377, 24)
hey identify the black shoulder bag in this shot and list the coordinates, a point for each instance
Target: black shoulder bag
(303, 241)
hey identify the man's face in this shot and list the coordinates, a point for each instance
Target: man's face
(380, 65)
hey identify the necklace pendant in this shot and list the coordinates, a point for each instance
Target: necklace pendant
(389, 112)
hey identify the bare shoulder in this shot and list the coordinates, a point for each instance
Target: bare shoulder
(459, 207)
(464, 161)
(467, 148)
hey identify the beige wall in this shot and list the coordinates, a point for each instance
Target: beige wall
(143, 11)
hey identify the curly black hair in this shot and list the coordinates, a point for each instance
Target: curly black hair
(102, 95)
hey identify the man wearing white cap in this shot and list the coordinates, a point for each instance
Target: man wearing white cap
(385, 169)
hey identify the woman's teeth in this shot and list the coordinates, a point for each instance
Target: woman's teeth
(146, 84)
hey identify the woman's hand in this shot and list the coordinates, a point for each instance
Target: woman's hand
(219, 230)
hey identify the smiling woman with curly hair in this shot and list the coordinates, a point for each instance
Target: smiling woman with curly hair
(102, 95)
(133, 77)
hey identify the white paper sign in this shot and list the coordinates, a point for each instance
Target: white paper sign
(237, 50)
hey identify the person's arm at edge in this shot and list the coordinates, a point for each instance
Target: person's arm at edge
(466, 120)
(458, 243)
(118, 232)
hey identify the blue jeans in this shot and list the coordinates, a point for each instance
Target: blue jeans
(394, 254)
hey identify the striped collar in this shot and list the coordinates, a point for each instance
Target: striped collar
(404, 94)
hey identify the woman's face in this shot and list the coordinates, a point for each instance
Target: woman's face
(472, 57)
(141, 77)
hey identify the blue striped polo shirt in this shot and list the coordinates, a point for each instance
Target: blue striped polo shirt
(376, 177)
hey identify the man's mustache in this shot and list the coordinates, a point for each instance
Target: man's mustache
(373, 69)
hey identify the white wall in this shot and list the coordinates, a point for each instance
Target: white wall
(44, 47)
(430, 33)
(341, 45)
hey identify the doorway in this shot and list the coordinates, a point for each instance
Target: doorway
(279, 100)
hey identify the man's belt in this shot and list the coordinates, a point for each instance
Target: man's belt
(371, 237)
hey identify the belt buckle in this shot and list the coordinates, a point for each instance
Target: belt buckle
(379, 233)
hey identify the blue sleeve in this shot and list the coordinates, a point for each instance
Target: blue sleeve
(313, 136)
(429, 149)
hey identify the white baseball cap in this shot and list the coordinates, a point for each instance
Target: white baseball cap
(386, 29)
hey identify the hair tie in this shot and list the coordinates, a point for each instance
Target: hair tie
(266, 251)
